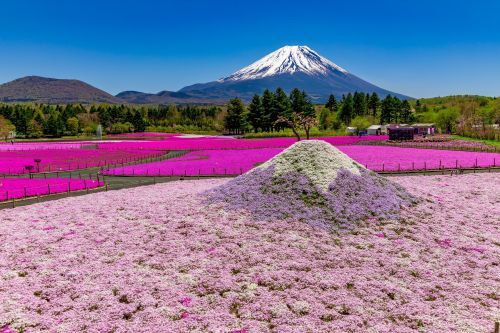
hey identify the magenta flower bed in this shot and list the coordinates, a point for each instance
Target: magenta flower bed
(4, 146)
(203, 162)
(383, 158)
(143, 135)
(180, 143)
(376, 158)
(16, 188)
(14, 162)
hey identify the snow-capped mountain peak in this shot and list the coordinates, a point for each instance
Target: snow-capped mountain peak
(287, 60)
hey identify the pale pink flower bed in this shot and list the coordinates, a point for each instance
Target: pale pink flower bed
(157, 259)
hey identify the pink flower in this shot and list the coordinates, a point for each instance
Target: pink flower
(474, 249)
(444, 242)
(186, 301)
(7, 329)
(243, 330)
(184, 315)
(380, 234)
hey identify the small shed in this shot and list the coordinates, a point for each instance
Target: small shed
(424, 128)
(401, 133)
(374, 130)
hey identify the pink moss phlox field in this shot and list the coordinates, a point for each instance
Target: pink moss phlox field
(14, 162)
(16, 188)
(451, 144)
(203, 162)
(379, 158)
(155, 135)
(4, 146)
(155, 258)
(204, 143)
(376, 158)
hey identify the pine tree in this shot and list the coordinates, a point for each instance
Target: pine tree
(359, 104)
(396, 110)
(386, 110)
(235, 118)
(374, 104)
(255, 112)
(406, 114)
(267, 110)
(138, 122)
(281, 106)
(331, 104)
(347, 110)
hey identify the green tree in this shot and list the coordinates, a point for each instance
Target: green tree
(6, 128)
(34, 129)
(388, 110)
(54, 125)
(72, 125)
(374, 104)
(302, 114)
(281, 106)
(359, 104)
(235, 118)
(405, 112)
(138, 122)
(361, 123)
(331, 104)
(347, 110)
(447, 120)
(267, 110)
(324, 119)
(255, 111)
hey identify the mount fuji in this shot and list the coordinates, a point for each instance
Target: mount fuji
(288, 67)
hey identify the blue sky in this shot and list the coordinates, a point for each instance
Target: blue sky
(418, 48)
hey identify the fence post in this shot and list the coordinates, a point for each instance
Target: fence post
(69, 187)
(48, 185)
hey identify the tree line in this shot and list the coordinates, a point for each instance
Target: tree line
(273, 111)
(37, 120)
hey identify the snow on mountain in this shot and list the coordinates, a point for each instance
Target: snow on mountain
(287, 60)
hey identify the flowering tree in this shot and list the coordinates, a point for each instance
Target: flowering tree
(6, 128)
(297, 121)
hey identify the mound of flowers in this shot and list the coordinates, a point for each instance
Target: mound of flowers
(313, 181)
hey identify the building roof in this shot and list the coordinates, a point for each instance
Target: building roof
(375, 127)
(423, 125)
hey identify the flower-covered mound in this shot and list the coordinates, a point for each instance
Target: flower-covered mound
(156, 259)
(314, 182)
